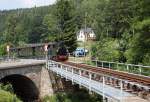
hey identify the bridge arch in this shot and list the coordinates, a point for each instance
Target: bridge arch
(23, 86)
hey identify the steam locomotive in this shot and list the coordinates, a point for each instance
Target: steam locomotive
(61, 53)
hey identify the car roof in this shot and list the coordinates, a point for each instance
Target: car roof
(80, 48)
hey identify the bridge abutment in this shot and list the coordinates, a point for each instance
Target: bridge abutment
(45, 83)
(27, 77)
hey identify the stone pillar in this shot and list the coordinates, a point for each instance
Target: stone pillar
(45, 84)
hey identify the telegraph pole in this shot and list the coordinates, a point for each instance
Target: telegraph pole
(85, 27)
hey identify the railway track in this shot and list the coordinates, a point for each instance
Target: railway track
(118, 74)
(135, 84)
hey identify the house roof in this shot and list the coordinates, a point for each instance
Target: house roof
(86, 30)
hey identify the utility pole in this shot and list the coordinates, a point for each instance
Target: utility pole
(85, 33)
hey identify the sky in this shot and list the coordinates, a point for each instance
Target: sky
(13, 4)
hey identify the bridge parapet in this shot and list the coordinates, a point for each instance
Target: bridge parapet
(20, 63)
(8, 59)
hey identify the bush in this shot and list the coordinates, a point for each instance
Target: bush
(49, 99)
(106, 50)
(8, 97)
(146, 60)
(3, 49)
(7, 87)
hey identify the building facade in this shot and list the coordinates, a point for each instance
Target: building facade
(86, 35)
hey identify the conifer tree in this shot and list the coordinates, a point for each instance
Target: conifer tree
(66, 24)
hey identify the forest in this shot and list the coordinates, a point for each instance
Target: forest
(122, 27)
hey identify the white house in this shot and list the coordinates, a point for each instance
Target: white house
(86, 35)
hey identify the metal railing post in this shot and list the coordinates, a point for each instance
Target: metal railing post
(61, 69)
(109, 65)
(66, 72)
(121, 89)
(90, 78)
(96, 63)
(57, 69)
(127, 68)
(103, 89)
(80, 78)
(140, 69)
(72, 75)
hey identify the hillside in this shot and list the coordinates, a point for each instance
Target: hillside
(25, 22)
(121, 27)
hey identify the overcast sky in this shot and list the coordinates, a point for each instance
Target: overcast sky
(13, 4)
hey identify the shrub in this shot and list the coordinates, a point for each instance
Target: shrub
(7, 87)
(49, 99)
(8, 97)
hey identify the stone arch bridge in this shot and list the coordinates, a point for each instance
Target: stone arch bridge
(29, 78)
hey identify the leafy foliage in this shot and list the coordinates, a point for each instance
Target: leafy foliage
(121, 27)
(7, 87)
(106, 50)
(22, 25)
(7, 95)
(66, 24)
(140, 48)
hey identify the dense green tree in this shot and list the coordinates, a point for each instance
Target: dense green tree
(121, 27)
(10, 35)
(50, 24)
(139, 49)
(66, 24)
(106, 50)
(118, 15)
(34, 35)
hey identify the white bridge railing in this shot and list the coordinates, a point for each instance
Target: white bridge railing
(86, 78)
(130, 68)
